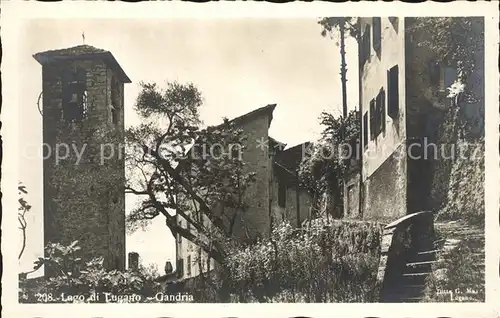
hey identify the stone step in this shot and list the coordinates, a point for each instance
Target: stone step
(422, 257)
(417, 264)
(398, 294)
(411, 300)
(416, 274)
(428, 252)
(416, 278)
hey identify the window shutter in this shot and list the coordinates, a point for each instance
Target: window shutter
(180, 268)
(365, 129)
(365, 46)
(377, 115)
(377, 34)
(382, 110)
(372, 119)
(393, 92)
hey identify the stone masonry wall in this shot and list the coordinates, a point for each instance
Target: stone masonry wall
(351, 196)
(289, 211)
(83, 201)
(385, 190)
(257, 218)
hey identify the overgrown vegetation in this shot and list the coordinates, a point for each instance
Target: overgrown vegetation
(327, 261)
(75, 280)
(323, 169)
(465, 196)
(459, 274)
(23, 208)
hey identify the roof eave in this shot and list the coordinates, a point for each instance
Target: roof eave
(45, 59)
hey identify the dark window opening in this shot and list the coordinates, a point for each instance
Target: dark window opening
(365, 50)
(393, 92)
(434, 74)
(394, 21)
(188, 265)
(381, 111)
(74, 95)
(365, 130)
(377, 115)
(236, 153)
(114, 115)
(115, 100)
(180, 267)
(377, 35)
(372, 119)
(281, 195)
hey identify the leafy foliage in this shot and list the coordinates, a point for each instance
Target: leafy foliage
(23, 208)
(330, 26)
(454, 41)
(325, 262)
(73, 276)
(460, 273)
(465, 188)
(323, 169)
(177, 166)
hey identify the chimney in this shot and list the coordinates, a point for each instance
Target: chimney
(168, 268)
(133, 261)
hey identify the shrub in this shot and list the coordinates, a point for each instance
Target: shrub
(73, 277)
(459, 275)
(327, 261)
(466, 186)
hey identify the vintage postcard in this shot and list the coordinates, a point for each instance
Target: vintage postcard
(250, 159)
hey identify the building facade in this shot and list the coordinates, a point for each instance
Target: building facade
(274, 196)
(403, 103)
(82, 103)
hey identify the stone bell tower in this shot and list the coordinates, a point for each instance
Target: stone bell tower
(82, 103)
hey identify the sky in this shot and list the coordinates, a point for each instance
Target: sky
(238, 65)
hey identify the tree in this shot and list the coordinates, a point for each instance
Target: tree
(23, 208)
(343, 25)
(322, 171)
(456, 43)
(351, 26)
(453, 41)
(183, 171)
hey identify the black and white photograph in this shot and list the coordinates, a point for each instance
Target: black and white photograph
(324, 158)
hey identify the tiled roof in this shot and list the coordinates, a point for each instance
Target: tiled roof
(82, 52)
(74, 51)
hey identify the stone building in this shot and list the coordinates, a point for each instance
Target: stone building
(82, 103)
(275, 195)
(403, 102)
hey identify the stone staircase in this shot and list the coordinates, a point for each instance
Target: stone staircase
(406, 281)
(407, 255)
(408, 284)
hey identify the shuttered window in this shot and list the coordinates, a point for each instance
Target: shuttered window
(180, 267)
(393, 92)
(373, 118)
(365, 49)
(377, 34)
(381, 112)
